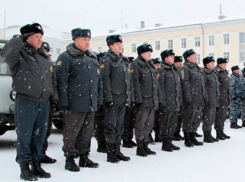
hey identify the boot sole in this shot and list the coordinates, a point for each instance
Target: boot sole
(72, 170)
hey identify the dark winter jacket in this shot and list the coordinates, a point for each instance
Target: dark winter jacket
(146, 86)
(33, 74)
(212, 85)
(79, 80)
(192, 82)
(243, 86)
(224, 86)
(170, 87)
(236, 89)
(116, 79)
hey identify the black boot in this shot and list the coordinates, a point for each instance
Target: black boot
(26, 173)
(147, 149)
(127, 144)
(165, 145)
(37, 170)
(48, 160)
(207, 138)
(101, 147)
(219, 135)
(188, 142)
(194, 140)
(224, 135)
(235, 126)
(111, 153)
(71, 165)
(243, 123)
(210, 135)
(172, 145)
(140, 151)
(86, 162)
(119, 154)
(151, 141)
(132, 142)
(177, 136)
(157, 138)
(198, 135)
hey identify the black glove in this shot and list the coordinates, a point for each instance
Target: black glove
(234, 99)
(52, 109)
(109, 104)
(138, 105)
(63, 108)
(161, 106)
(98, 107)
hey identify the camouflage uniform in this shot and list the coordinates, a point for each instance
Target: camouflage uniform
(236, 92)
(243, 96)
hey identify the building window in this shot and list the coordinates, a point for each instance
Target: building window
(157, 45)
(99, 49)
(57, 51)
(133, 47)
(211, 54)
(226, 55)
(51, 50)
(198, 58)
(242, 47)
(197, 41)
(170, 44)
(183, 43)
(211, 40)
(226, 39)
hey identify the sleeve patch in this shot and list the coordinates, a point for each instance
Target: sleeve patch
(59, 63)
(102, 66)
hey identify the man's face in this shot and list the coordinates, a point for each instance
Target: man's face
(169, 59)
(178, 64)
(116, 47)
(146, 55)
(157, 65)
(210, 65)
(35, 40)
(236, 71)
(223, 65)
(192, 58)
(82, 43)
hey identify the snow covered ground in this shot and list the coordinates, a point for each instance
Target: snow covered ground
(219, 162)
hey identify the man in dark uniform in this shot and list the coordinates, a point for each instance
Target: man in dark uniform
(169, 109)
(236, 93)
(243, 97)
(80, 92)
(117, 95)
(212, 85)
(48, 159)
(146, 97)
(224, 100)
(193, 97)
(36, 87)
(129, 119)
(177, 136)
(99, 121)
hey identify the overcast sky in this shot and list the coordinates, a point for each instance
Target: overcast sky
(103, 15)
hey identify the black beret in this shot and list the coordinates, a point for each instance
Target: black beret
(156, 60)
(78, 32)
(178, 59)
(100, 55)
(188, 53)
(144, 48)
(31, 29)
(46, 46)
(222, 60)
(130, 59)
(111, 39)
(207, 60)
(167, 53)
(235, 68)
